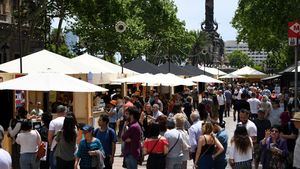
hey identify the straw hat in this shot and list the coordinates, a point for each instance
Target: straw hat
(296, 117)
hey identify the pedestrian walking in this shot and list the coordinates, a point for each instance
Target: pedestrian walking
(156, 146)
(90, 154)
(209, 147)
(55, 126)
(66, 144)
(132, 138)
(108, 139)
(29, 141)
(296, 161)
(5, 158)
(240, 152)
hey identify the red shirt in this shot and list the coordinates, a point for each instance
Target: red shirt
(159, 147)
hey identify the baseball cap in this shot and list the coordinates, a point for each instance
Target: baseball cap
(88, 128)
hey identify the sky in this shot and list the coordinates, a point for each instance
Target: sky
(193, 13)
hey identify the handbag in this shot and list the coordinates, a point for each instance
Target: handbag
(41, 149)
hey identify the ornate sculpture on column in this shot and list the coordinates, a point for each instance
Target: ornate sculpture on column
(215, 43)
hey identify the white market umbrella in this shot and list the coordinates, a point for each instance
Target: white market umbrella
(170, 79)
(249, 72)
(231, 76)
(50, 82)
(141, 78)
(204, 79)
(212, 70)
(97, 65)
(42, 61)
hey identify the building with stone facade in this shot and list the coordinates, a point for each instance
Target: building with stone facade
(9, 34)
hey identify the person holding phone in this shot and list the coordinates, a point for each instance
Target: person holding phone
(274, 149)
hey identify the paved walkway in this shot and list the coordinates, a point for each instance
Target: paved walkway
(230, 127)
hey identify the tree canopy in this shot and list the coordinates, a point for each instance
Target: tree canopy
(239, 59)
(263, 25)
(153, 29)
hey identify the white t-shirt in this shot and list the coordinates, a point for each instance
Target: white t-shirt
(237, 156)
(251, 128)
(254, 105)
(221, 99)
(5, 159)
(56, 125)
(29, 141)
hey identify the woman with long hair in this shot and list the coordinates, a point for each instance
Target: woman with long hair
(240, 152)
(209, 147)
(66, 144)
(274, 149)
(29, 140)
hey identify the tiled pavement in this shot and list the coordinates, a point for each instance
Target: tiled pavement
(230, 127)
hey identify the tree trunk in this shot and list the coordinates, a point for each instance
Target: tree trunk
(57, 43)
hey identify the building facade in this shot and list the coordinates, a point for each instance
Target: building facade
(257, 56)
(32, 40)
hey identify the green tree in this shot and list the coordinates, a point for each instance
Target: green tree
(62, 49)
(153, 29)
(263, 25)
(239, 59)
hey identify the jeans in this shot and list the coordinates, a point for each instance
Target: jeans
(29, 161)
(52, 160)
(131, 162)
(62, 164)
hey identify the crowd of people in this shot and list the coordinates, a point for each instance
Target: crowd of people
(169, 132)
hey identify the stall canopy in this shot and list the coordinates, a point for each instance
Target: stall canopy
(174, 69)
(249, 72)
(42, 61)
(97, 65)
(101, 71)
(156, 80)
(204, 79)
(141, 78)
(231, 76)
(170, 79)
(194, 70)
(211, 70)
(50, 82)
(142, 66)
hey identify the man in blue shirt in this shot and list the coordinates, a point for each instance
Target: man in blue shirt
(108, 139)
(220, 161)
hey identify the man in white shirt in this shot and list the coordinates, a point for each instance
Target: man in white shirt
(250, 126)
(5, 159)
(222, 103)
(55, 125)
(194, 133)
(254, 106)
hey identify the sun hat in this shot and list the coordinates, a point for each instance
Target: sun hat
(296, 117)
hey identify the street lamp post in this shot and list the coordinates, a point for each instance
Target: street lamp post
(20, 35)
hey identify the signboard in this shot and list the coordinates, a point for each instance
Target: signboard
(294, 33)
